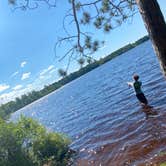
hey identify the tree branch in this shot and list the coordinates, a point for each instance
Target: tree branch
(77, 24)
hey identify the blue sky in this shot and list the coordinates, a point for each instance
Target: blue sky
(27, 46)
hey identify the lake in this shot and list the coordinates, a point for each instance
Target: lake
(102, 116)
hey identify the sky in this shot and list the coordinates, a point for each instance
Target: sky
(27, 42)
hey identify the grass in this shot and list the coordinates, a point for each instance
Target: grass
(163, 164)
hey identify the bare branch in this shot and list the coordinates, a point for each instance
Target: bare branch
(90, 4)
(31, 4)
(67, 53)
(77, 24)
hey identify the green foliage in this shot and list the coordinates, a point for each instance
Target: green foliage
(89, 60)
(88, 42)
(98, 22)
(62, 73)
(105, 6)
(12, 2)
(107, 27)
(27, 143)
(95, 45)
(81, 62)
(86, 18)
(163, 164)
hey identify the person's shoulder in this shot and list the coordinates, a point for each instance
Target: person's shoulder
(140, 82)
(135, 82)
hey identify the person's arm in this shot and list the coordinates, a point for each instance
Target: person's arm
(140, 83)
(130, 84)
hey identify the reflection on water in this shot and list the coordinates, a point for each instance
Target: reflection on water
(103, 117)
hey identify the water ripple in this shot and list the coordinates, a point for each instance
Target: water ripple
(102, 116)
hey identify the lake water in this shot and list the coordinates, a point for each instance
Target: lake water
(102, 116)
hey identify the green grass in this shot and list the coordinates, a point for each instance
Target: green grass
(163, 164)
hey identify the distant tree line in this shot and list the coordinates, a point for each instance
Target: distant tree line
(12, 106)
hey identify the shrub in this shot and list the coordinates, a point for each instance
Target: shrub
(27, 143)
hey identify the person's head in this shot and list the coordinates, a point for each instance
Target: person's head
(135, 77)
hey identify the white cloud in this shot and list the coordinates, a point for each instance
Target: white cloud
(47, 73)
(37, 84)
(41, 77)
(14, 74)
(6, 97)
(23, 63)
(52, 71)
(4, 87)
(25, 76)
(50, 67)
(43, 72)
(17, 87)
(45, 77)
(30, 86)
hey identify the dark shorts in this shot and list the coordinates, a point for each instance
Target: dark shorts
(141, 97)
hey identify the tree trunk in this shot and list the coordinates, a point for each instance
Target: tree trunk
(156, 27)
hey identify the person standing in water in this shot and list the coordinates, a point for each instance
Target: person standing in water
(138, 91)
